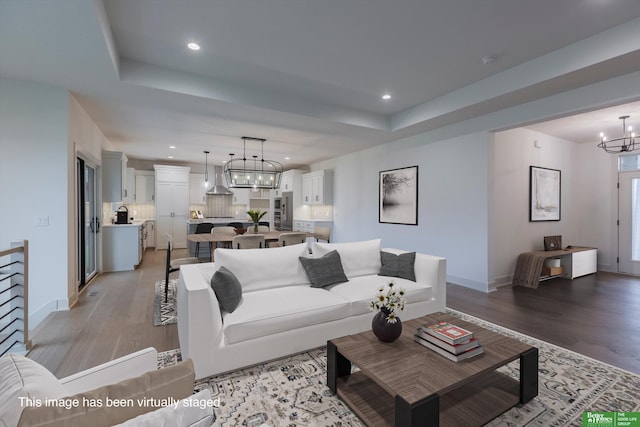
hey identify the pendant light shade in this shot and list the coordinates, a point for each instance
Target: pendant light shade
(255, 174)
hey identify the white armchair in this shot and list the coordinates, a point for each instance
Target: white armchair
(129, 378)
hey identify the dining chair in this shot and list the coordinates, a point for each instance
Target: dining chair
(174, 265)
(248, 241)
(224, 230)
(322, 233)
(288, 239)
(235, 225)
(202, 228)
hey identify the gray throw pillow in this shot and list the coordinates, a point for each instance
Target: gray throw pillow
(398, 265)
(227, 288)
(324, 271)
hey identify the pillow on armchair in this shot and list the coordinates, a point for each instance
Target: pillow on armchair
(23, 377)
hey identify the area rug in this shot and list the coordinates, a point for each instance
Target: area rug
(164, 313)
(292, 391)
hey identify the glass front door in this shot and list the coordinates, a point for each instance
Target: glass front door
(629, 228)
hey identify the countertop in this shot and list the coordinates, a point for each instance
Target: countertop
(218, 220)
(134, 223)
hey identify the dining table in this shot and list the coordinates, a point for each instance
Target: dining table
(215, 238)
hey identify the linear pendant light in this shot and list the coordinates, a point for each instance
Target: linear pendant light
(255, 174)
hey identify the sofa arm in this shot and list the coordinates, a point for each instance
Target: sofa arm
(199, 316)
(117, 370)
(430, 270)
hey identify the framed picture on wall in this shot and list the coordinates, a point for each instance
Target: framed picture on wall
(544, 194)
(398, 196)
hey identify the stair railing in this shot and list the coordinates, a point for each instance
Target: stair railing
(14, 298)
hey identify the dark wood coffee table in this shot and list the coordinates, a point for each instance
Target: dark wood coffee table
(405, 384)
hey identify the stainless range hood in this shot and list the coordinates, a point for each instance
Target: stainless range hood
(218, 188)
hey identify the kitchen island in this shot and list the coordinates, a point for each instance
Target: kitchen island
(122, 245)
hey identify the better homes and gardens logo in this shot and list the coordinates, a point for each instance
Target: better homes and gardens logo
(611, 419)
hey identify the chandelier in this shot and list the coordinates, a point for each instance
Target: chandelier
(255, 174)
(623, 144)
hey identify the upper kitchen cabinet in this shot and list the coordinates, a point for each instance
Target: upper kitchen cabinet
(172, 205)
(129, 195)
(317, 188)
(240, 196)
(145, 187)
(114, 176)
(291, 181)
(197, 189)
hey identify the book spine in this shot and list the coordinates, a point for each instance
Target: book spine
(436, 349)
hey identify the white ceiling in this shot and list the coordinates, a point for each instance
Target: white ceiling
(308, 75)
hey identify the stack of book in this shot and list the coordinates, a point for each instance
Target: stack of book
(451, 341)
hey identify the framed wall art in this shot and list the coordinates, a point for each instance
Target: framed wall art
(398, 196)
(544, 194)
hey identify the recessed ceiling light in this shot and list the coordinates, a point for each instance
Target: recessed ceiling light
(173, 147)
(170, 157)
(386, 96)
(193, 46)
(287, 158)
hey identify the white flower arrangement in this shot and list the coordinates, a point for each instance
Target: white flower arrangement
(389, 302)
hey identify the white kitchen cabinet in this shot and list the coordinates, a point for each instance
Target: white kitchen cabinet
(121, 247)
(129, 195)
(150, 235)
(172, 205)
(114, 176)
(197, 189)
(145, 187)
(317, 188)
(241, 196)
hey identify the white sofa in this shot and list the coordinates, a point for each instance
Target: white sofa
(280, 313)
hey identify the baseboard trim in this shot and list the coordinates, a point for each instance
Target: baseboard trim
(467, 283)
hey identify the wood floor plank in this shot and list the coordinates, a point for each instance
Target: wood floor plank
(595, 315)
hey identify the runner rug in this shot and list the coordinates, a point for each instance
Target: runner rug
(292, 391)
(164, 313)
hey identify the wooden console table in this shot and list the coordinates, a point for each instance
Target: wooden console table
(576, 261)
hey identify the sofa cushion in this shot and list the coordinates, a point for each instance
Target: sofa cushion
(362, 290)
(358, 258)
(325, 270)
(264, 268)
(174, 382)
(24, 378)
(270, 311)
(398, 265)
(227, 289)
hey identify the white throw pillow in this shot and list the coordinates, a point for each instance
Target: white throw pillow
(358, 258)
(22, 377)
(264, 268)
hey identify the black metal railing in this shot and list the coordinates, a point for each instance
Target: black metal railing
(14, 298)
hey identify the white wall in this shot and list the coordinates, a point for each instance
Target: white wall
(33, 182)
(514, 152)
(452, 194)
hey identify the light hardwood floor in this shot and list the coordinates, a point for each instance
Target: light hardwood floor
(114, 317)
(596, 315)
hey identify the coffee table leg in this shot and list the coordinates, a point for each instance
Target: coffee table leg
(528, 375)
(426, 412)
(337, 366)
